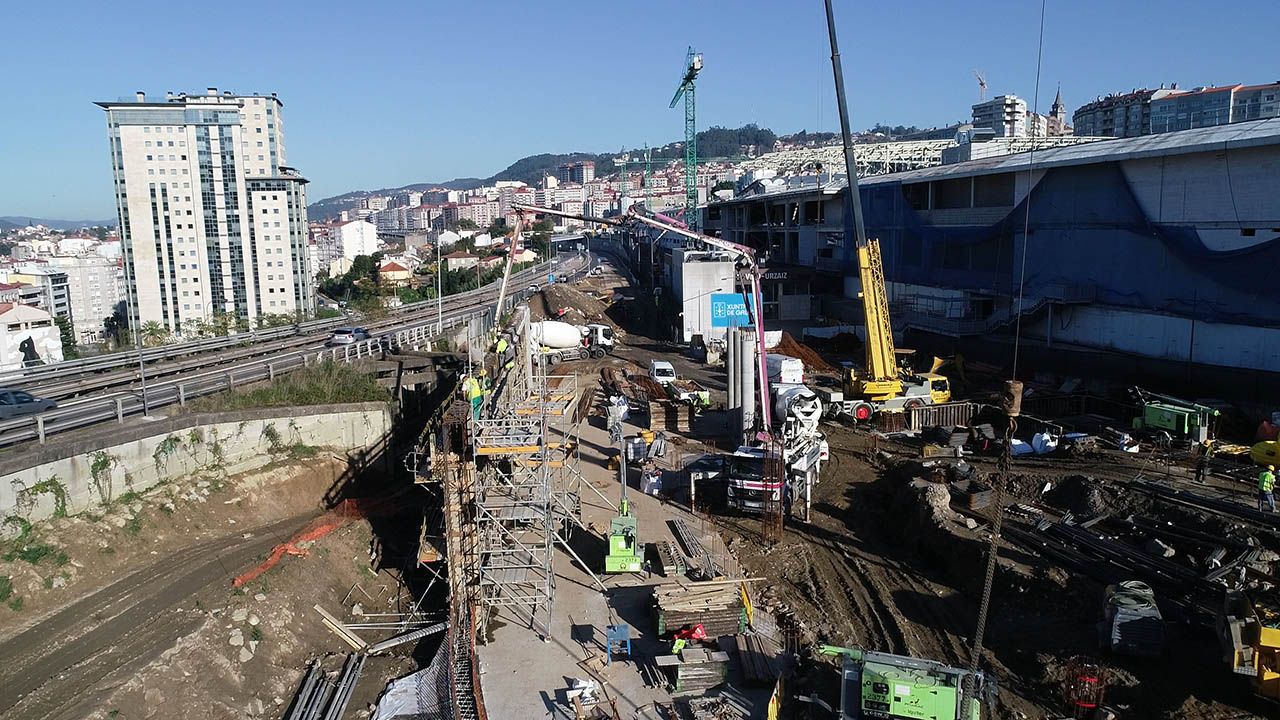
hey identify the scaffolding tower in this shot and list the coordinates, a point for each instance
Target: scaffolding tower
(527, 487)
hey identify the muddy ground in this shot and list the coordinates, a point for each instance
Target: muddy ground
(877, 566)
(131, 613)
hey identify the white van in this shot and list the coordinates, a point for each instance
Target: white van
(661, 371)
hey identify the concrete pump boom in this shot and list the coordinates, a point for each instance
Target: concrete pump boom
(746, 254)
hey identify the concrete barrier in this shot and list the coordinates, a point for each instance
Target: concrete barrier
(70, 476)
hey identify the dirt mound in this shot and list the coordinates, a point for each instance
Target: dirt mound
(568, 304)
(796, 349)
(1080, 494)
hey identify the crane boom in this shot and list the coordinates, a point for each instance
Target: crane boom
(882, 379)
(506, 273)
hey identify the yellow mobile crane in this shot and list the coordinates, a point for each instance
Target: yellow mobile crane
(882, 385)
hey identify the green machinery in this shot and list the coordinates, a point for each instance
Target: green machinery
(894, 687)
(1180, 419)
(624, 554)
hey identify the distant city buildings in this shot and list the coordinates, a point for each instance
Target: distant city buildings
(340, 239)
(95, 287)
(212, 219)
(1120, 115)
(74, 276)
(577, 172)
(1146, 112)
(52, 291)
(1006, 116)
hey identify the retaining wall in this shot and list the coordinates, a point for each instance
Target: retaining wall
(69, 476)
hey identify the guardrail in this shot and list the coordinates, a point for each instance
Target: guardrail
(124, 360)
(84, 412)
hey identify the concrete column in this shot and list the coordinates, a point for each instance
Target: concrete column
(182, 395)
(40, 428)
(731, 369)
(119, 410)
(747, 360)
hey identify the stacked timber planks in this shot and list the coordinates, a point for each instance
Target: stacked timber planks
(755, 654)
(666, 416)
(717, 608)
(695, 671)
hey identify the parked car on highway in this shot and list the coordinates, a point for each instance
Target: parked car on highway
(347, 336)
(17, 402)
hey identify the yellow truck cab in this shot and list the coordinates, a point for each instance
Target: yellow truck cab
(939, 387)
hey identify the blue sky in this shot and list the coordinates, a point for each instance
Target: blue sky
(384, 94)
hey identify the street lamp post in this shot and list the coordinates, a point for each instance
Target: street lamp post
(439, 289)
(135, 321)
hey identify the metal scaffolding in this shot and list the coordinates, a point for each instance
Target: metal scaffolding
(527, 497)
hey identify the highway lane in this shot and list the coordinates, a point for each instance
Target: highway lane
(63, 381)
(213, 373)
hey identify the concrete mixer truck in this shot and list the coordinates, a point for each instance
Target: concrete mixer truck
(561, 341)
(750, 489)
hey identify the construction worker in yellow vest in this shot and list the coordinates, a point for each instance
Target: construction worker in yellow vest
(1266, 484)
(475, 395)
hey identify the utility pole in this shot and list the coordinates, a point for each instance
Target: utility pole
(692, 66)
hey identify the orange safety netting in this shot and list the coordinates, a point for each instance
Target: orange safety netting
(345, 512)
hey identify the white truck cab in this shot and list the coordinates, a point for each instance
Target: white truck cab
(661, 371)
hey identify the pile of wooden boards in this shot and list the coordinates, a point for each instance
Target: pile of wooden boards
(717, 607)
(670, 417)
(695, 670)
(756, 656)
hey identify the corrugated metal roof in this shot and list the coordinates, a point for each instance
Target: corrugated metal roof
(1220, 137)
(1254, 133)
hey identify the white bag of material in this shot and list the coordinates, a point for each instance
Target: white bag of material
(404, 697)
(1044, 443)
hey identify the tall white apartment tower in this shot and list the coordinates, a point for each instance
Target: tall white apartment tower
(212, 219)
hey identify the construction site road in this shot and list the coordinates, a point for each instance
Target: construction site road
(62, 665)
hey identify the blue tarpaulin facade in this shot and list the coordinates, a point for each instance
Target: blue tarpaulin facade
(1086, 229)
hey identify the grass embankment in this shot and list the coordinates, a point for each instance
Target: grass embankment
(328, 383)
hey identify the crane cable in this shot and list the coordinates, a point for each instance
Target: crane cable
(1012, 402)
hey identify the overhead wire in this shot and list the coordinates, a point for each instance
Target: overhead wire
(1012, 404)
(1026, 220)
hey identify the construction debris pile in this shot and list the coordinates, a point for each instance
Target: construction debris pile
(814, 362)
(566, 303)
